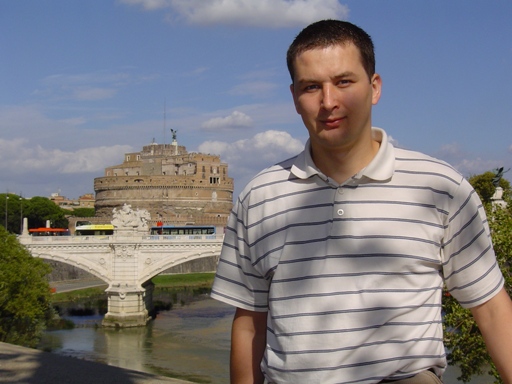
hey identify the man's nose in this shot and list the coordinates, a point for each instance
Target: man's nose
(329, 97)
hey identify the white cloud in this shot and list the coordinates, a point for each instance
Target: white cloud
(468, 163)
(75, 121)
(475, 166)
(149, 5)
(98, 85)
(452, 151)
(91, 93)
(252, 13)
(197, 71)
(255, 89)
(249, 156)
(17, 155)
(236, 120)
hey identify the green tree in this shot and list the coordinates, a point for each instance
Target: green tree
(40, 209)
(83, 212)
(462, 336)
(24, 293)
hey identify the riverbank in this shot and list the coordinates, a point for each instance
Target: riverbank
(25, 365)
(188, 280)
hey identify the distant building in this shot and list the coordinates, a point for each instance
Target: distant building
(175, 186)
(84, 201)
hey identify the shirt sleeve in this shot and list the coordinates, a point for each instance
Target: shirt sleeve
(471, 272)
(237, 281)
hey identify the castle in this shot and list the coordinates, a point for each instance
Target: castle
(175, 186)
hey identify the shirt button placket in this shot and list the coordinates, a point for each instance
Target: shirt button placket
(340, 211)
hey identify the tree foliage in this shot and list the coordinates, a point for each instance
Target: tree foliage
(24, 293)
(37, 209)
(41, 209)
(462, 337)
(82, 212)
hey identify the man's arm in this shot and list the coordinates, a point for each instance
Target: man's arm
(494, 318)
(248, 341)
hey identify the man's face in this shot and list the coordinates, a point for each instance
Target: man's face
(334, 96)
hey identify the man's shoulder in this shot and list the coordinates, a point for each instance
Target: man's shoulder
(270, 176)
(412, 167)
(421, 163)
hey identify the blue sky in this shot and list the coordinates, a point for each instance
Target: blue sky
(83, 82)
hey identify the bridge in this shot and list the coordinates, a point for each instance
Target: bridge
(126, 261)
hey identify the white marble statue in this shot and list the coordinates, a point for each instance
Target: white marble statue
(127, 218)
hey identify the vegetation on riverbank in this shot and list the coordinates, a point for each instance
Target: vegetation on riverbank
(78, 294)
(188, 280)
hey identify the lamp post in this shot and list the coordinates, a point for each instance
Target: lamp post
(6, 209)
(21, 214)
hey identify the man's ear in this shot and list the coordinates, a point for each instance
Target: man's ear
(376, 88)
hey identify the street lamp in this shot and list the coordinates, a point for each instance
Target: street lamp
(21, 214)
(6, 209)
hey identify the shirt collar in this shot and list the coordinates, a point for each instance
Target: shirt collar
(380, 168)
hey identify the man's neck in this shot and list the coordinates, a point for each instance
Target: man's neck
(341, 165)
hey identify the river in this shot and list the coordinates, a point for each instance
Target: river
(190, 341)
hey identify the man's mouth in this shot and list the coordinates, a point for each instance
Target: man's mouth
(333, 122)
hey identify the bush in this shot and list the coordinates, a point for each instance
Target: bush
(24, 293)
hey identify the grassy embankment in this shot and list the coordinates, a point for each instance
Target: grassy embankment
(189, 280)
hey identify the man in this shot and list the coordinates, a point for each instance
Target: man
(336, 259)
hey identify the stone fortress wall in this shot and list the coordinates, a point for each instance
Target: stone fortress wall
(175, 186)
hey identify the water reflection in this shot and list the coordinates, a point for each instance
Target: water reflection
(190, 341)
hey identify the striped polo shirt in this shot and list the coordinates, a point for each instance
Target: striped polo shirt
(352, 275)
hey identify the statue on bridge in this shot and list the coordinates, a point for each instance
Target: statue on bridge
(498, 175)
(497, 198)
(128, 219)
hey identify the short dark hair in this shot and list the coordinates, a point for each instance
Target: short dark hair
(326, 33)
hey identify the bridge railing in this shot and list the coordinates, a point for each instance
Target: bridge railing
(112, 238)
(182, 237)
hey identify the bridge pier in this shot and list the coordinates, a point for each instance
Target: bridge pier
(128, 306)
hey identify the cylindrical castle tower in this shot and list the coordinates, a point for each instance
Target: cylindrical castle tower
(175, 186)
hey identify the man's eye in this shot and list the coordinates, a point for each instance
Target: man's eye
(344, 82)
(311, 87)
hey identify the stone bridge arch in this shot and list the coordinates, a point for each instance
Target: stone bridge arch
(126, 260)
(75, 261)
(154, 268)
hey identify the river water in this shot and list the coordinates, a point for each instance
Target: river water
(190, 341)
